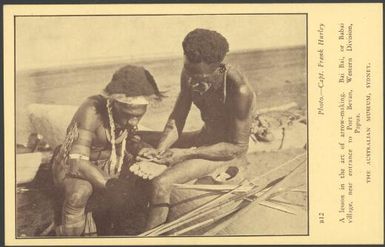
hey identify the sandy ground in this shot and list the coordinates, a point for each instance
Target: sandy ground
(277, 76)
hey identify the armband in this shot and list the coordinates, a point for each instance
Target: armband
(78, 157)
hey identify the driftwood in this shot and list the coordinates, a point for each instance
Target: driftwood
(28, 164)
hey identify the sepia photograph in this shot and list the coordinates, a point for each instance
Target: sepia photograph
(161, 125)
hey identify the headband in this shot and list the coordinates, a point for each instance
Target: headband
(122, 98)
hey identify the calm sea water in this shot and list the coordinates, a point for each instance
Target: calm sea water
(277, 76)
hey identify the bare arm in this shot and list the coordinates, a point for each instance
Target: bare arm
(134, 145)
(177, 119)
(87, 121)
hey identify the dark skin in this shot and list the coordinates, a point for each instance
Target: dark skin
(92, 132)
(190, 163)
(240, 101)
(85, 176)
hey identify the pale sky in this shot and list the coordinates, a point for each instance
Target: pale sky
(56, 41)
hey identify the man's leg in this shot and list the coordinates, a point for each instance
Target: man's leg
(76, 192)
(179, 173)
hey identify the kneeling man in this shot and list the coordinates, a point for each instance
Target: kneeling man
(101, 140)
(227, 104)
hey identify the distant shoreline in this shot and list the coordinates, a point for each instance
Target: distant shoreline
(278, 76)
(55, 69)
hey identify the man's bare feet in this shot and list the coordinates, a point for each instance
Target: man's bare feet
(147, 170)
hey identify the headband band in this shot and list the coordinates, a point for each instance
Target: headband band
(122, 98)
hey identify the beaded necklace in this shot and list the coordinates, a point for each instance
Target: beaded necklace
(115, 164)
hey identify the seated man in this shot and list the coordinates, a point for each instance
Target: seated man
(227, 104)
(99, 144)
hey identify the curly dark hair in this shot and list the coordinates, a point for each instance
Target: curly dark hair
(202, 45)
(133, 81)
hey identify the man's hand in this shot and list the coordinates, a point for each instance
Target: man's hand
(173, 156)
(147, 154)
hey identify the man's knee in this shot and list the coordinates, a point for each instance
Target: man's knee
(161, 186)
(78, 197)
